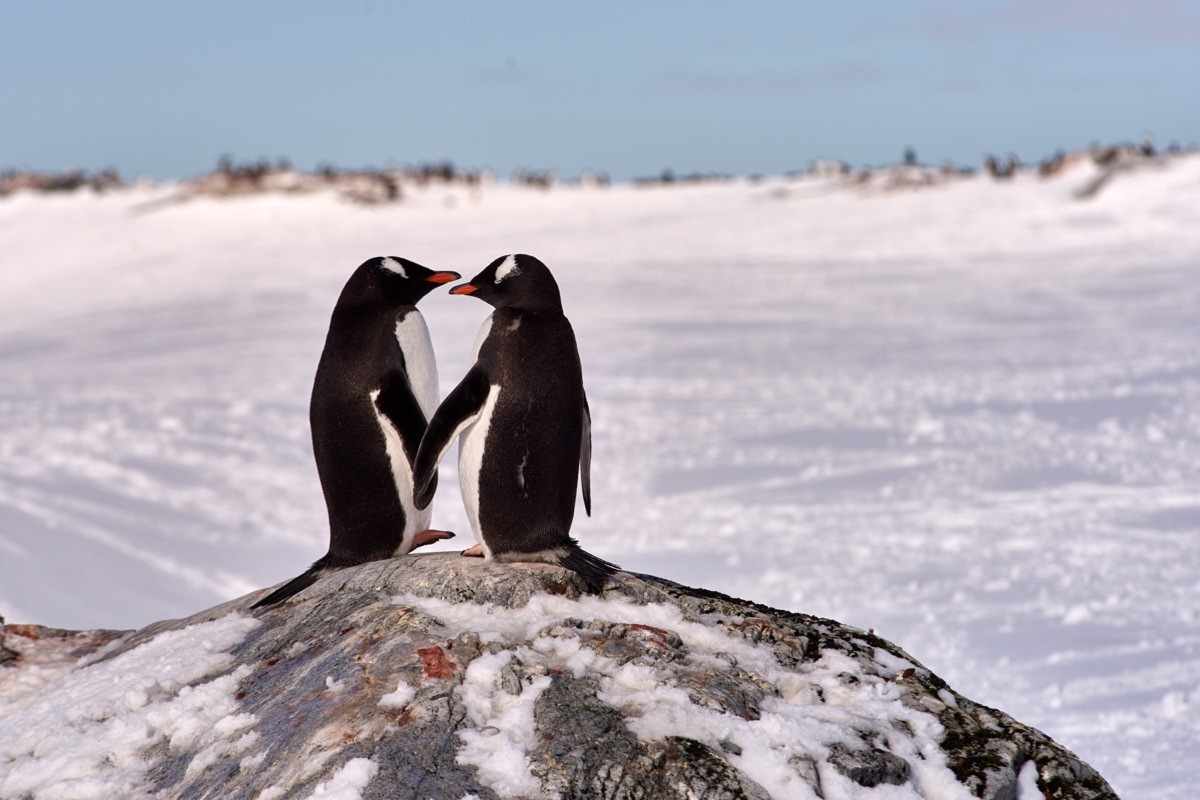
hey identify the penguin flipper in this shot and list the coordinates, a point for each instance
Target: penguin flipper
(397, 402)
(460, 408)
(585, 458)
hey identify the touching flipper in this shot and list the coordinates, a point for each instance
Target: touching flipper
(399, 405)
(397, 402)
(460, 408)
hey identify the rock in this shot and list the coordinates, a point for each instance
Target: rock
(869, 767)
(22, 644)
(6, 655)
(438, 677)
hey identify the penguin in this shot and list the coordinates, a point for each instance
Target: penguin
(376, 387)
(523, 424)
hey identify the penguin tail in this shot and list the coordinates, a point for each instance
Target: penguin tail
(593, 570)
(318, 570)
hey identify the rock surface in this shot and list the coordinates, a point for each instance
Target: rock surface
(438, 677)
(6, 655)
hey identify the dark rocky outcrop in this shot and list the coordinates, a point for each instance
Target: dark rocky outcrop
(6, 655)
(440, 677)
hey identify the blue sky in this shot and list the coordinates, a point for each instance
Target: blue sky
(164, 89)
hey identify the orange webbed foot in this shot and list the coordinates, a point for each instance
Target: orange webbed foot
(429, 537)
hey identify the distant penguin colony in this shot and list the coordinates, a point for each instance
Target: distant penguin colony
(375, 389)
(523, 422)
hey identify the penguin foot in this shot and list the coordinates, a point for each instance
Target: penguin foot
(474, 551)
(429, 537)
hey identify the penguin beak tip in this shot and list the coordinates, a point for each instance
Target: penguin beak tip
(466, 288)
(443, 277)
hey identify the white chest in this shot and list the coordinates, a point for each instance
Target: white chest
(471, 444)
(412, 334)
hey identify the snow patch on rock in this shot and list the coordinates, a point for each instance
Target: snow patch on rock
(805, 714)
(89, 732)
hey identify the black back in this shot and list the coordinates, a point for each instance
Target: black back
(361, 357)
(530, 464)
(539, 431)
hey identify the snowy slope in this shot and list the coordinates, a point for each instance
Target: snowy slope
(966, 416)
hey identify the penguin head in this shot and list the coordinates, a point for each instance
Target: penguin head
(515, 281)
(397, 281)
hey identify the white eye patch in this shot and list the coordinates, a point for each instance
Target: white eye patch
(507, 268)
(392, 265)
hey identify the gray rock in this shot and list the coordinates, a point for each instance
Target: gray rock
(869, 766)
(507, 680)
(51, 644)
(584, 748)
(6, 655)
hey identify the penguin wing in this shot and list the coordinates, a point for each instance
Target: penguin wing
(397, 402)
(460, 408)
(585, 458)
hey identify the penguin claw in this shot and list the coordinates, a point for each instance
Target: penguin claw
(429, 537)
(474, 551)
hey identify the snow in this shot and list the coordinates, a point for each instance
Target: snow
(1027, 788)
(965, 416)
(503, 728)
(348, 782)
(86, 734)
(43, 661)
(403, 695)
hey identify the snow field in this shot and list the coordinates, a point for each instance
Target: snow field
(967, 417)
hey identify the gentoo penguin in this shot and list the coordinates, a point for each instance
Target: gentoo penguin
(524, 424)
(376, 387)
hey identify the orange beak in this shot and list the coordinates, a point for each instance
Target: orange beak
(443, 277)
(466, 288)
